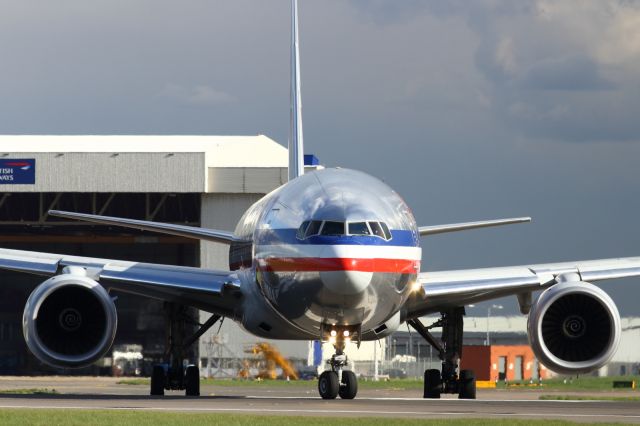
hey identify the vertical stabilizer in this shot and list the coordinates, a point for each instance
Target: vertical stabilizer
(296, 151)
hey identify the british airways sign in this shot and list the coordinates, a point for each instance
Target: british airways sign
(17, 171)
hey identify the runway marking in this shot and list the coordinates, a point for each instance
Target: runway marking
(317, 411)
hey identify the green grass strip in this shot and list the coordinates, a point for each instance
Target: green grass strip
(399, 384)
(49, 417)
(577, 384)
(29, 391)
(588, 398)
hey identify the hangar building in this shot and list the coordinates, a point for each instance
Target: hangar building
(204, 181)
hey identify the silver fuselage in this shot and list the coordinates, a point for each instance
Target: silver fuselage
(355, 268)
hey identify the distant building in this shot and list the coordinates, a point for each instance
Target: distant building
(503, 363)
(511, 331)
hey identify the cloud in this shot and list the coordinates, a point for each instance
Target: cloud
(198, 95)
(565, 71)
(573, 72)
(384, 12)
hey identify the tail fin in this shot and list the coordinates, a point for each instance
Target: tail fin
(296, 151)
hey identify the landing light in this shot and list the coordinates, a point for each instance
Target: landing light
(334, 333)
(416, 286)
(346, 333)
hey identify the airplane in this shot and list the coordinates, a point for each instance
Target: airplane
(331, 255)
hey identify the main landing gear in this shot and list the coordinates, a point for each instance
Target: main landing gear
(338, 381)
(175, 374)
(450, 352)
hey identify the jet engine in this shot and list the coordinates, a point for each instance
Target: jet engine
(69, 320)
(574, 327)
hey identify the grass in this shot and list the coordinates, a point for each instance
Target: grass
(588, 398)
(29, 391)
(398, 384)
(575, 384)
(133, 382)
(579, 384)
(49, 417)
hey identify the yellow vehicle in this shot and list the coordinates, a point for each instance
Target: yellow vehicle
(272, 359)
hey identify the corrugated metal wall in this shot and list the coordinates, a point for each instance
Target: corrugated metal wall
(114, 172)
(245, 179)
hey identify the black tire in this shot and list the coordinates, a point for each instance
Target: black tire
(192, 381)
(157, 380)
(432, 384)
(467, 385)
(349, 387)
(328, 385)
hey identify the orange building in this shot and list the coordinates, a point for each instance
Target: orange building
(498, 362)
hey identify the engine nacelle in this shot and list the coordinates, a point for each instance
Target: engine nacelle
(69, 321)
(574, 327)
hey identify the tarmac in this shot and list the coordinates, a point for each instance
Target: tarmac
(105, 393)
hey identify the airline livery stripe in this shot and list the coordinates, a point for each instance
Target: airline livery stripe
(302, 264)
(323, 251)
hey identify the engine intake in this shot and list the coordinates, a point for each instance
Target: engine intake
(69, 321)
(574, 327)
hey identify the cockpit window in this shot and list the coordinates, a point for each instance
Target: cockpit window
(385, 228)
(314, 228)
(333, 228)
(359, 228)
(302, 229)
(309, 228)
(376, 229)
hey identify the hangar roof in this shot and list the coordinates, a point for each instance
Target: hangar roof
(221, 151)
(145, 163)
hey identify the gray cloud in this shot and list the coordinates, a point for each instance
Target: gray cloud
(198, 95)
(574, 72)
(389, 12)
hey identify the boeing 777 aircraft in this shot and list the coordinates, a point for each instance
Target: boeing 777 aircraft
(332, 255)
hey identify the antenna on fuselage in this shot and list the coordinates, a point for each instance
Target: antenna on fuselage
(296, 151)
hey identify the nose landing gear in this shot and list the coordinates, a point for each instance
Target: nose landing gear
(338, 381)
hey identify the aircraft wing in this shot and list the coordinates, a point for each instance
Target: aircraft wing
(206, 289)
(454, 227)
(445, 289)
(215, 235)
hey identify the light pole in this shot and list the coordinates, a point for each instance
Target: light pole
(488, 317)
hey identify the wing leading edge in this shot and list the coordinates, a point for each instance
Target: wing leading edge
(206, 289)
(443, 289)
(454, 227)
(214, 235)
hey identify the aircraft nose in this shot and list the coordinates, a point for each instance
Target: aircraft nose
(346, 282)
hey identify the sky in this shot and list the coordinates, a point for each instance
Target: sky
(470, 110)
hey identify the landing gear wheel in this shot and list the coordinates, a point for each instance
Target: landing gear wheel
(349, 386)
(467, 385)
(157, 380)
(432, 384)
(192, 381)
(328, 385)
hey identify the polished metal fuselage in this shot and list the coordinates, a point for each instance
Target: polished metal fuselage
(306, 284)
